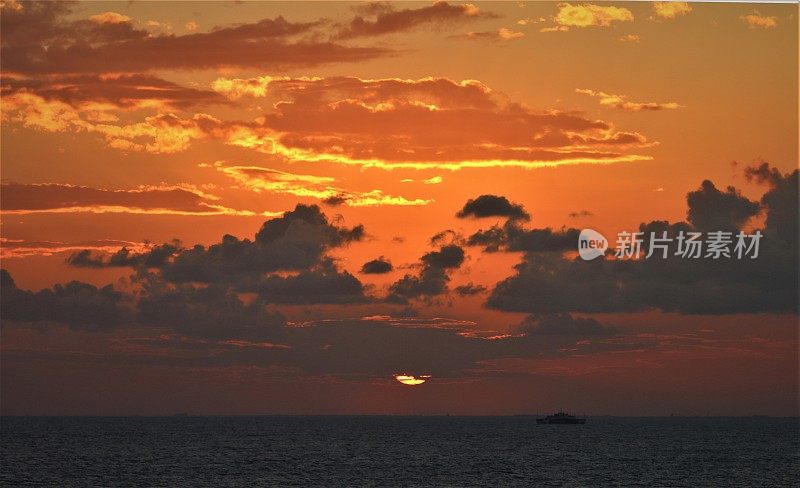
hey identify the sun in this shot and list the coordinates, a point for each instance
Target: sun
(412, 380)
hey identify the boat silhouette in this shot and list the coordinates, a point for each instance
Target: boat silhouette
(561, 418)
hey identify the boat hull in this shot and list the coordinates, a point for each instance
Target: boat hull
(561, 421)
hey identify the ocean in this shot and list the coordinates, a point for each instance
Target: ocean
(397, 451)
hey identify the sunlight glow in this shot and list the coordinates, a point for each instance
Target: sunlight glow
(412, 380)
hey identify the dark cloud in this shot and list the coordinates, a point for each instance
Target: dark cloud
(51, 197)
(212, 312)
(378, 18)
(38, 38)
(493, 206)
(580, 214)
(335, 200)
(448, 257)
(377, 266)
(79, 305)
(432, 278)
(563, 325)
(551, 283)
(296, 241)
(711, 209)
(155, 257)
(322, 284)
(470, 289)
(780, 202)
(511, 237)
(123, 91)
(214, 326)
(337, 348)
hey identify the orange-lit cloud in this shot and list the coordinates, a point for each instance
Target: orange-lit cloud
(629, 38)
(586, 15)
(425, 123)
(110, 18)
(621, 102)
(670, 10)
(162, 133)
(53, 42)
(377, 19)
(20, 248)
(261, 179)
(162, 200)
(129, 92)
(755, 20)
(502, 34)
(384, 123)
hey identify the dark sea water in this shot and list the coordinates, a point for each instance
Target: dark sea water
(397, 451)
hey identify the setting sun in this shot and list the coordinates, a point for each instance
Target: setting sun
(411, 380)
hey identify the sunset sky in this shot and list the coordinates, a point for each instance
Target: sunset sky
(278, 207)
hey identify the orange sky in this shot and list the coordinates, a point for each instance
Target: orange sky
(135, 124)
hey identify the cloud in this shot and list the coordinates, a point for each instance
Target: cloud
(586, 15)
(630, 38)
(286, 263)
(564, 325)
(18, 198)
(492, 206)
(196, 291)
(22, 248)
(147, 256)
(380, 18)
(448, 257)
(711, 209)
(503, 34)
(210, 312)
(469, 290)
(755, 20)
(348, 120)
(780, 202)
(40, 38)
(351, 121)
(377, 266)
(670, 10)
(432, 278)
(297, 241)
(79, 305)
(212, 325)
(580, 214)
(259, 179)
(103, 93)
(159, 134)
(554, 283)
(620, 102)
(511, 237)
(335, 348)
(109, 18)
(323, 283)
